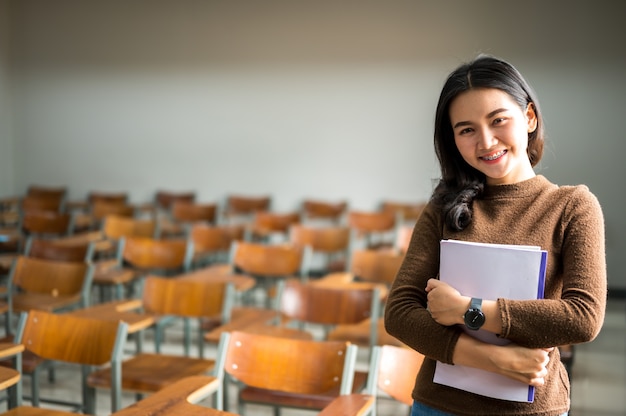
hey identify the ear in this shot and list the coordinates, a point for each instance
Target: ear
(531, 117)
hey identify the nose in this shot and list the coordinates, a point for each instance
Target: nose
(486, 138)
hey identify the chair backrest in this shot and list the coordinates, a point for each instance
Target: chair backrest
(316, 209)
(270, 260)
(373, 221)
(191, 212)
(212, 243)
(78, 340)
(393, 371)
(57, 250)
(40, 203)
(72, 339)
(328, 305)
(266, 223)
(188, 298)
(168, 255)
(284, 364)
(331, 239)
(115, 227)
(372, 229)
(406, 212)
(214, 238)
(378, 266)
(59, 278)
(47, 192)
(46, 223)
(120, 198)
(100, 209)
(242, 208)
(165, 199)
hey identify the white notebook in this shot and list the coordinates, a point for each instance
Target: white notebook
(490, 271)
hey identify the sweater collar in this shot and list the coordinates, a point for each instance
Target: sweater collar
(521, 189)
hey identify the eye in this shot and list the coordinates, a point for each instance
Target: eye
(464, 131)
(498, 120)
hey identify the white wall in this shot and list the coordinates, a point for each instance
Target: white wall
(299, 99)
(6, 133)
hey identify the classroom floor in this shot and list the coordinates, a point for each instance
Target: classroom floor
(598, 389)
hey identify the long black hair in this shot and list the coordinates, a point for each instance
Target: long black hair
(460, 183)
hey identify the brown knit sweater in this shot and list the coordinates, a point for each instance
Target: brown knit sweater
(566, 221)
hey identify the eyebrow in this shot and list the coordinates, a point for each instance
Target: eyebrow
(468, 123)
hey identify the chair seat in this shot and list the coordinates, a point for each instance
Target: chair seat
(8, 377)
(305, 401)
(43, 302)
(151, 372)
(113, 276)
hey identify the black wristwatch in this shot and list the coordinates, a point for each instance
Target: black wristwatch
(474, 317)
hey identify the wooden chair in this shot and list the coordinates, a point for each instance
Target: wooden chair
(98, 211)
(52, 192)
(90, 212)
(283, 372)
(90, 343)
(374, 267)
(212, 243)
(272, 226)
(372, 229)
(110, 272)
(183, 214)
(269, 263)
(330, 246)
(115, 227)
(49, 249)
(40, 203)
(139, 256)
(405, 212)
(392, 374)
(46, 223)
(156, 256)
(58, 250)
(185, 299)
(120, 198)
(165, 199)
(47, 285)
(330, 213)
(241, 208)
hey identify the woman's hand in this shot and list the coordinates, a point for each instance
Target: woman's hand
(527, 365)
(445, 303)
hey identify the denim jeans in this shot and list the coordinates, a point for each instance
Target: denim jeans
(419, 409)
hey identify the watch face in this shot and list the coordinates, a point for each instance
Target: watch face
(474, 319)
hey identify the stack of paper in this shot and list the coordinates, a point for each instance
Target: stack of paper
(490, 271)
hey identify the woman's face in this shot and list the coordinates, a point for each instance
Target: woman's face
(491, 133)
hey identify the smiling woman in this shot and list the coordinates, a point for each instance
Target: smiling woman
(488, 138)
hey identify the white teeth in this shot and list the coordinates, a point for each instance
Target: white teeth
(495, 156)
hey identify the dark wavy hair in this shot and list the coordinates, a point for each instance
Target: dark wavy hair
(460, 183)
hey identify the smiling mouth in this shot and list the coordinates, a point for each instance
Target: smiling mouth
(494, 156)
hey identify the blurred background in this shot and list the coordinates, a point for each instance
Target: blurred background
(325, 99)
